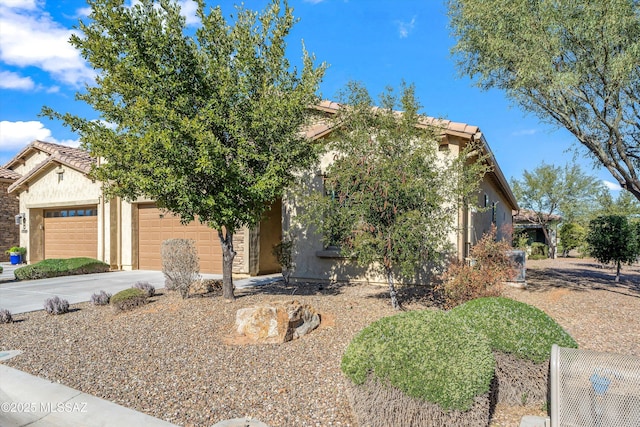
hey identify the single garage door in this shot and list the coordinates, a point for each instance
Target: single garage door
(71, 232)
(156, 226)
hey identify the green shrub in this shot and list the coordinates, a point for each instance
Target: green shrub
(60, 267)
(428, 355)
(128, 299)
(514, 327)
(1, 269)
(539, 250)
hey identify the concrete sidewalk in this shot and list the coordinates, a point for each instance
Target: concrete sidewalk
(26, 400)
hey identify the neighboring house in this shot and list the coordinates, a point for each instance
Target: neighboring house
(528, 222)
(315, 262)
(9, 208)
(67, 216)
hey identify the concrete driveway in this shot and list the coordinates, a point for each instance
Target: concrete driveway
(29, 295)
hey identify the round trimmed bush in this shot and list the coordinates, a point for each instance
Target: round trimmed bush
(128, 299)
(429, 357)
(521, 337)
(514, 327)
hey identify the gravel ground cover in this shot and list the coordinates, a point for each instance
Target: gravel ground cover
(177, 359)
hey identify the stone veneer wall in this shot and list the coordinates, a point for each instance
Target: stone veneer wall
(238, 246)
(9, 231)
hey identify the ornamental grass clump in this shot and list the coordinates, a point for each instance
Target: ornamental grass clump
(5, 316)
(420, 368)
(128, 299)
(521, 337)
(56, 305)
(147, 287)
(100, 298)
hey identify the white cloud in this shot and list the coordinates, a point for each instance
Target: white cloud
(16, 135)
(30, 38)
(10, 80)
(612, 186)
(19, 4)
(404, 28)
(188, 9)
(525, 132)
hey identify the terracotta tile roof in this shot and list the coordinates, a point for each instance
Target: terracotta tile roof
(74, 158)
(320, 129)
(8, 174)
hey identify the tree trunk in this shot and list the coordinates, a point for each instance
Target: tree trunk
(618, 271)
(392, 290)
(226, 241)
(552, 246)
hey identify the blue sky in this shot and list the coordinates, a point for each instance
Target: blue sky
(376, 42)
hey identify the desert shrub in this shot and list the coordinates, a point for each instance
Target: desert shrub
(147, 287)
(484, 276)
(180, 264)
(539, 251)
(100, 298)
(56, 305)
(60, 267)
(427, 355)
(5, 316)
(208, 285)
(128, 299)
(283, 252)
(521, 337)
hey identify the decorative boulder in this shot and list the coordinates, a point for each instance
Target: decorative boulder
(276, 322)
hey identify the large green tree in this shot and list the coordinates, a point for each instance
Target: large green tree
(391, 196)
(551, 190)
(612, 238)
(206, 123)
(575, 64)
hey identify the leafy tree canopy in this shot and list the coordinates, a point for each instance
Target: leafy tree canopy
(208, 125)
(391, 197)
(575, 64)
(612, 238)
(554, 190)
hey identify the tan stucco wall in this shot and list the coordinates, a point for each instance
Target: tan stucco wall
(481, 220)
(30, 162)
(46, 192)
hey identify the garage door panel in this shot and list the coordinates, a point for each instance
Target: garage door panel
(70, 236)
(156, 227)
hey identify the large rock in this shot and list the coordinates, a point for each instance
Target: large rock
(276, 322)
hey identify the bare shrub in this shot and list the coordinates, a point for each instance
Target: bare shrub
(145, 286)
(56, 305)
(100, 298)
(180, 264)
(484, 276)
(5, 316)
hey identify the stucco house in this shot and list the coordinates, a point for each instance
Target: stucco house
(9, 230)
(315, 262)
(67, 215)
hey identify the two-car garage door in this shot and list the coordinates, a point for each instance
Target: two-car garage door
(155, 226)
